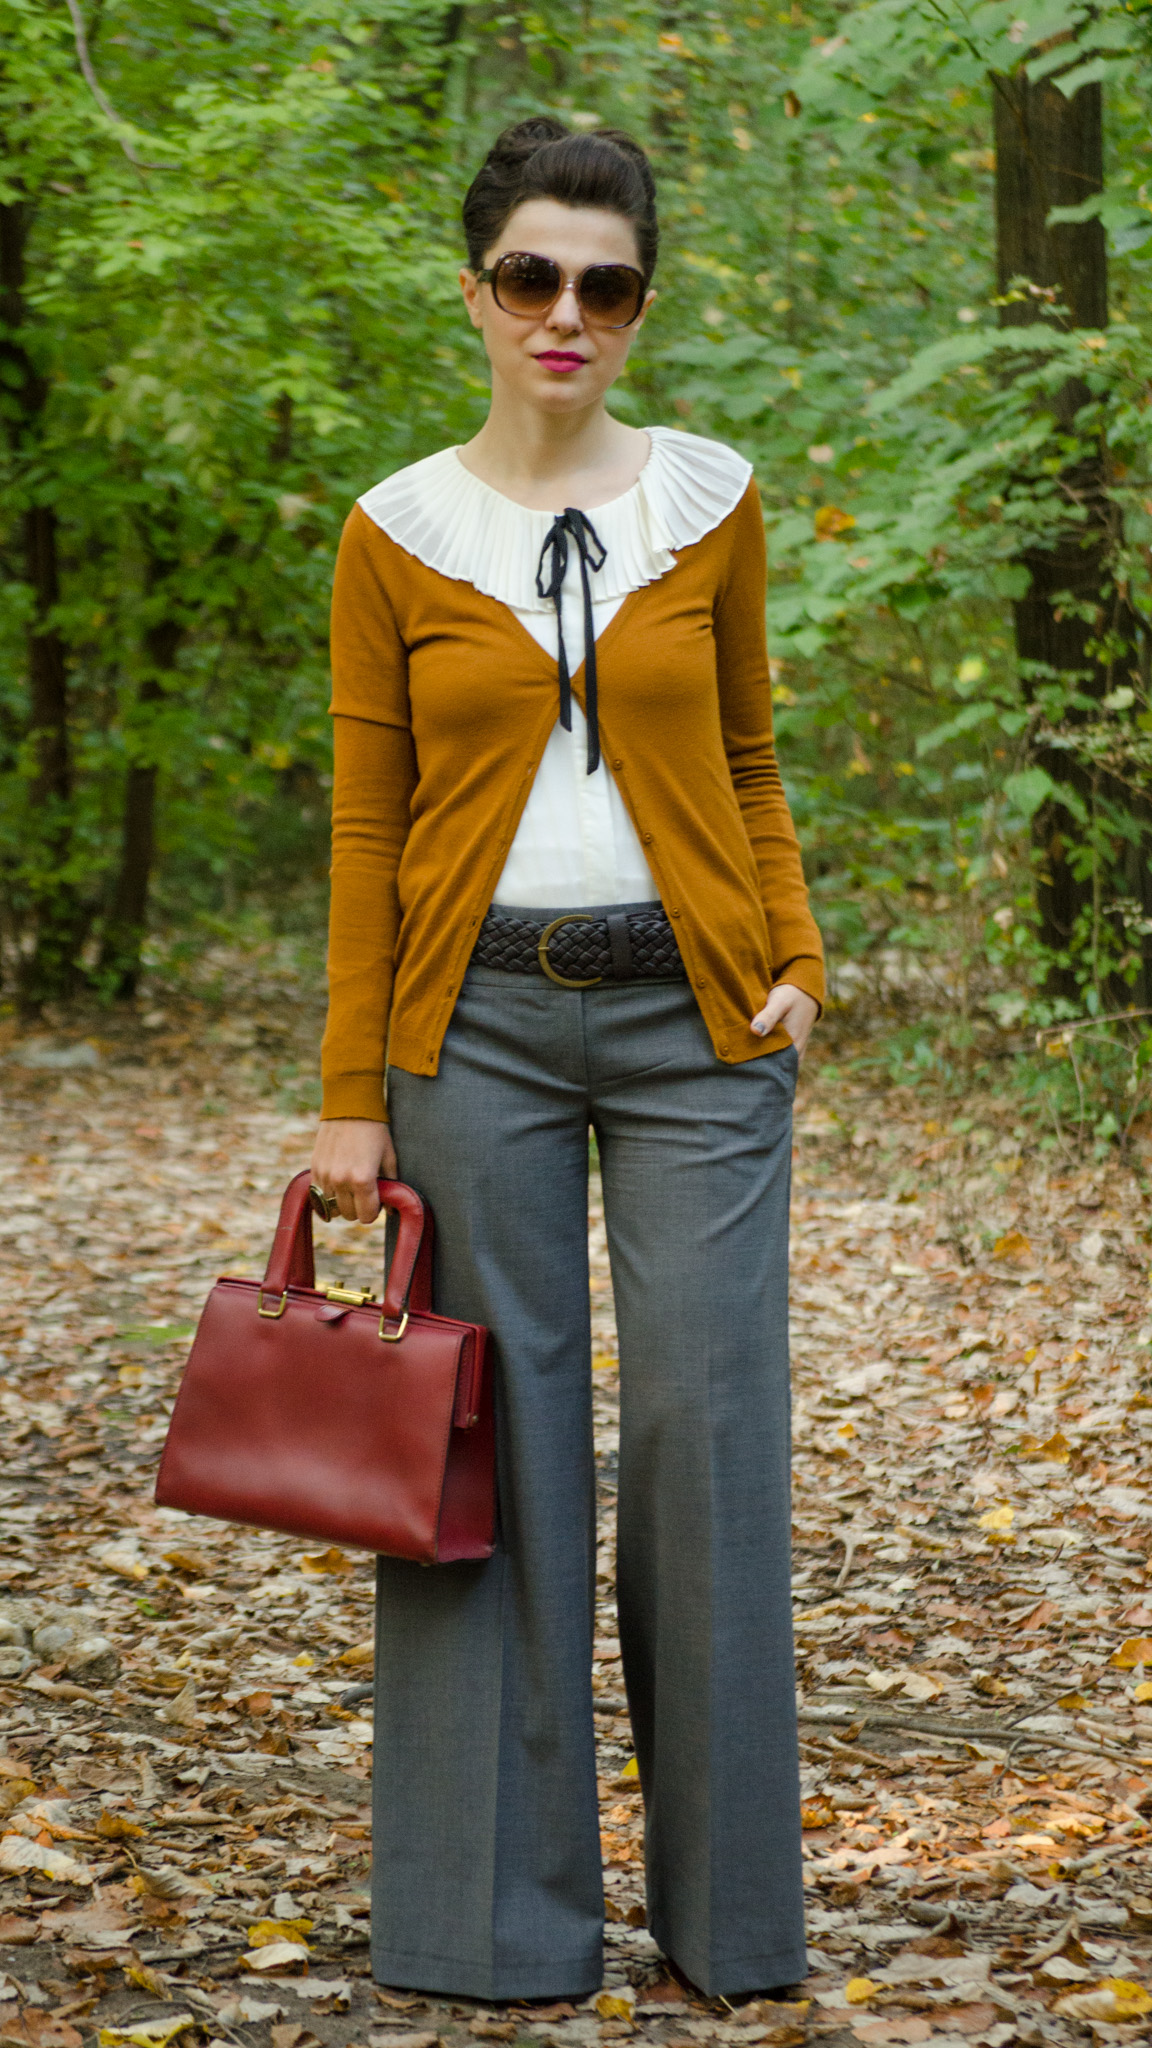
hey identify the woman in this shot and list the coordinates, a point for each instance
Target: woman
(542, 938)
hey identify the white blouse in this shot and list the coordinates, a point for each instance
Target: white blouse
(576, 845)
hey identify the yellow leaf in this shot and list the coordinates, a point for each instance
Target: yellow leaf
(358, 1655)
(1013, 1245)
(305, 1661)
(846, 1429)
(265, 1932)
(1137, 1650)
(191, 1561)
(996, 1520)
(146, 1980)
(830, 521)
(316, 1563)
(817, 1817)
(1143, 1692)
(615, 2005)
(146, 2033)
(116, 1826)
(1117, 1998)
(1057, 1450)
(1072, 1702)
(631, 1768)
(604, 1362)
(858, 1990)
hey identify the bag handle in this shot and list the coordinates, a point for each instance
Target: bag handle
(291, 1262)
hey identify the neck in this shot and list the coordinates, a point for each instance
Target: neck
(544, 458)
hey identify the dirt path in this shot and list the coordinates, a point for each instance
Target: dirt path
(973, 1515)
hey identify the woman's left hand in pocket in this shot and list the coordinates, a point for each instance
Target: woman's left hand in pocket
(793, 1009)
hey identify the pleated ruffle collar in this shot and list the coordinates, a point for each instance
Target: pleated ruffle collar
(453, 522)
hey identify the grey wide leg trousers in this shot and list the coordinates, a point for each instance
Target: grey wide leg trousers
(486, 1859)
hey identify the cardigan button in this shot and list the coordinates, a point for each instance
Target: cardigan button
(617, 764)
(673, 913)
(647, 838)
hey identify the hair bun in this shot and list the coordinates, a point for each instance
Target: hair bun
(518, 143)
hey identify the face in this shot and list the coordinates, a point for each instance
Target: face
(557, 363)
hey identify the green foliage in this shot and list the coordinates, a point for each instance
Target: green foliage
(239, 297)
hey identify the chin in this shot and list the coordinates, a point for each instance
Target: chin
(557, 393)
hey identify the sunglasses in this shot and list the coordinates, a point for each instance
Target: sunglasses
(608, 294)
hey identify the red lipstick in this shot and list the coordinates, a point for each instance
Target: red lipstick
(561, 360)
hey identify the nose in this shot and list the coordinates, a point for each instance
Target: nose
(565, 314)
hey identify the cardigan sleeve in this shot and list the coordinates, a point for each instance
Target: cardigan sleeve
(745, 688)
(374, 775)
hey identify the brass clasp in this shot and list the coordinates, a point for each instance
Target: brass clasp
(356, 1297)
(562, 981)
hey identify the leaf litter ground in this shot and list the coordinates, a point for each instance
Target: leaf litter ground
(184, 1780)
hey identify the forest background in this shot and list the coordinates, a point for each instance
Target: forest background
(906, 268)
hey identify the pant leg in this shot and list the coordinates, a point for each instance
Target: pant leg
(696, 1159)
(486, 1849)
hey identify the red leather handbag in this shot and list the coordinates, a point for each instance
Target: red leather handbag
(324, 1413)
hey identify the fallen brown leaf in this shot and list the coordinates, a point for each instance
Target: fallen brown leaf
(33, 2029)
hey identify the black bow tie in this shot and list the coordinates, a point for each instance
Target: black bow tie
(592, 555)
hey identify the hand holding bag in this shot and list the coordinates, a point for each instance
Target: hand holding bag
(324, 1413)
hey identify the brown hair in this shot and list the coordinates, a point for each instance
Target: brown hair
(542, 159)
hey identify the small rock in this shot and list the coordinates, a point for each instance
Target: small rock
(14, 1660)
(93, 1661)
(17, 1618)
(52, 1637)
(40, 1052)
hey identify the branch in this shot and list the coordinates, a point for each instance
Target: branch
(953, 1731)
(100, 96)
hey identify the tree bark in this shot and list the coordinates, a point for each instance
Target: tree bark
(1050, 153)
(52, 905)
(127, 920)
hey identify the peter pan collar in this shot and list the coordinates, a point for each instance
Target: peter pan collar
(453, 522)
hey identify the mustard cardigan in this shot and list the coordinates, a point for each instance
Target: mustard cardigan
(443, 704)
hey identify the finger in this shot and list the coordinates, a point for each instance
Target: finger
(363, 1200)
(774, 1009)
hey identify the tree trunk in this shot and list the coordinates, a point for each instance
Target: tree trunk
(50, 899)
(1049, 153)
(127, 921)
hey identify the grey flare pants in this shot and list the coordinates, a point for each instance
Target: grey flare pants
(487, 1878)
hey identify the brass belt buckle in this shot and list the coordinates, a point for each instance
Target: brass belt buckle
(561, 980)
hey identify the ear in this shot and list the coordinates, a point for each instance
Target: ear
(471, 291)
(641, 316)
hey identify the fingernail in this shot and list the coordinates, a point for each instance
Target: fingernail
(760, 1029)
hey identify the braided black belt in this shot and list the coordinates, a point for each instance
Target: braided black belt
(581, 947)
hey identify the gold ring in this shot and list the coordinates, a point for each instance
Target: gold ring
(326, 1206)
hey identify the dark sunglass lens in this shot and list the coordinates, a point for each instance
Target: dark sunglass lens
(611, 293)
(526, 284)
